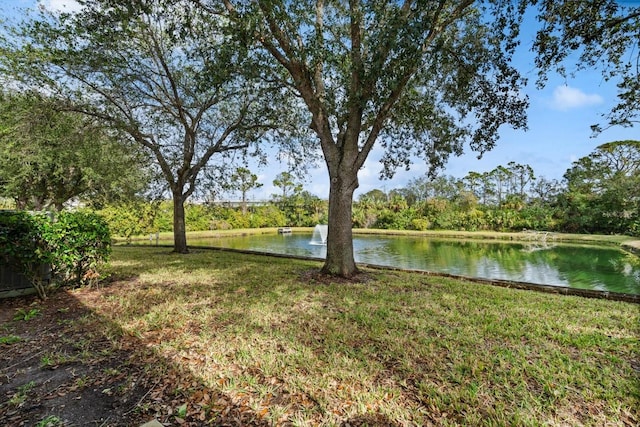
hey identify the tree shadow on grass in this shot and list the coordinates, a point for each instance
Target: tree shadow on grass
(63, 363)
(242, 294)
(173, 330)
(67, 362)
(372, 420)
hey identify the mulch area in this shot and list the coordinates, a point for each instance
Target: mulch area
(64, 367)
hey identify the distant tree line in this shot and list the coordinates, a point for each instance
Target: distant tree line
(600, 193)
(136, 218)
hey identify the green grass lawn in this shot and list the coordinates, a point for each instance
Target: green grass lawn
(392, 349)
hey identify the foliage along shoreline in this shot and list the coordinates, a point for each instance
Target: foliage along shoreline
(625, 242)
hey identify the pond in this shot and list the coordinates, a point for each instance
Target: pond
(547, 263)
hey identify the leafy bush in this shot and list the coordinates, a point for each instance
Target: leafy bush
(236, 219)
(24, 247)
(219, 224)
(268, 216)
(395, 220)
(73, 245)
(130, 219)
(79, 241)
(421, 224)
(197, 217)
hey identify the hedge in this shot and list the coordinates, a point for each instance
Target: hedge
(73, 244)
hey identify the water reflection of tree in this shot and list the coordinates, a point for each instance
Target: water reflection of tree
(581, 266)
(448, 255)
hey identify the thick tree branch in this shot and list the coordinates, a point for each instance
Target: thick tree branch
(400, 84)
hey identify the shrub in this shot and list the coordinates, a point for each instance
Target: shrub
(73, 245)
(130, 219)
(79, 241)
(219, 224)
(23, 246)
(236, 219)
(197, 217)
(397, 220)
(421, 224)
(268, 216)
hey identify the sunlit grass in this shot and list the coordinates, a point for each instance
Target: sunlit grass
(407, 348)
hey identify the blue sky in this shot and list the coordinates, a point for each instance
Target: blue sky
(560, 116)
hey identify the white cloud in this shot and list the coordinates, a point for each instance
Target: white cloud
(566, 98)
(61, 5)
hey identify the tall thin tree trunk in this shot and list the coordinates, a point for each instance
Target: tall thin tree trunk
(244, 203)
(340, 260)
(179, 228)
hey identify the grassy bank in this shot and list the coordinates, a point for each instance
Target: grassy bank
(167, 236)
(290, 347)
(519, 236)
(632, 246)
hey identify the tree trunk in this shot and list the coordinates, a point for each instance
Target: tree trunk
(340, 260)
(179, 228)
(244, 203)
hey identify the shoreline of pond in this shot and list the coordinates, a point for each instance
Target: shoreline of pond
(632, 246)
(626, 243)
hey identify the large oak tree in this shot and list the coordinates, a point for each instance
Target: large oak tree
(177, 85)
(602, 192)
(421, 78)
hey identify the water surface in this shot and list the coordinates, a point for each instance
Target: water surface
(576, 266)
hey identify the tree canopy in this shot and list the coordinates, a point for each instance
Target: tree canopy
(161, 73)
(243, 180)
(49, 157)
(421, 78)
(603, 189)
